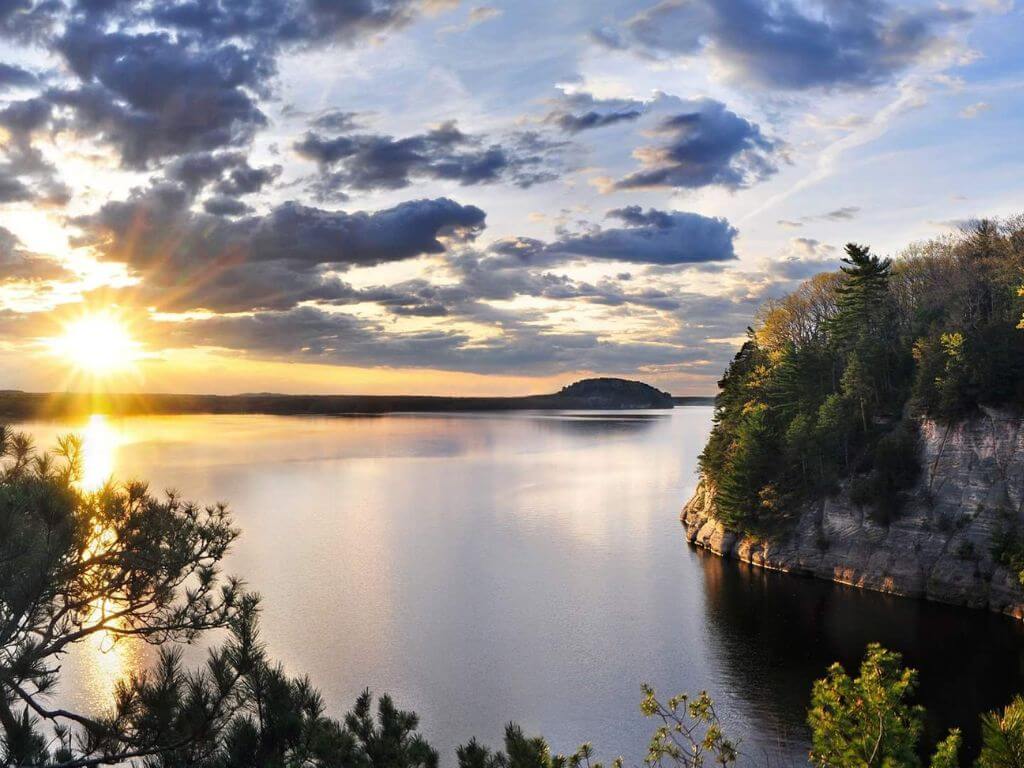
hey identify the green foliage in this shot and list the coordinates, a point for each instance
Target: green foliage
(865, 721)
(829, 382)
(1002, 737)
(690, 734)
(946, 751)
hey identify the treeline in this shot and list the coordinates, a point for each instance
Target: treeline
(122, 564)
(831, 378)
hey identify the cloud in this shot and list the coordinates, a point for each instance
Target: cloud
(845, 213)
(648, 237)
(476, 16)
(277, 23)
(316, 335)
(787, 45)
(972, 111)
(841, 214)
(578, 112)
(707, 144)
(153, 96)
(802, 258)
(13, 76)
(374, 161)
(25, 174)
(20, 265)
(190, 260)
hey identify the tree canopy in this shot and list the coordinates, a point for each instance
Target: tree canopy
(831, 379)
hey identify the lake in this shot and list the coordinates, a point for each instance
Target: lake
(483, 568)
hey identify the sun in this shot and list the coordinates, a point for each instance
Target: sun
(98, 343)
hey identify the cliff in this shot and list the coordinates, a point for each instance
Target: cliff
(970, 492)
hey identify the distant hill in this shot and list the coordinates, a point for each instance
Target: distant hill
(588, 394)
(614, 393)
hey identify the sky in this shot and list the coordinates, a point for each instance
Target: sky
(445, 197)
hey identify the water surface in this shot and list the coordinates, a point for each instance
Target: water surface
(528, 567)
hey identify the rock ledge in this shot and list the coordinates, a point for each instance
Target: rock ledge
(972, 484)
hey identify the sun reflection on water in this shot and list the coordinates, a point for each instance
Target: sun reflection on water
(106, 660)
(100, 442)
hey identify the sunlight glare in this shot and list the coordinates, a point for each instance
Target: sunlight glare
(97, 343)
(99, 449)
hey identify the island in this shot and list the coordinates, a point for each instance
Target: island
(587, 394)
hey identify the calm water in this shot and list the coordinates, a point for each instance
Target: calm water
(528, 567)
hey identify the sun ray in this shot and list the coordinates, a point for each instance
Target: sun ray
(97, 345)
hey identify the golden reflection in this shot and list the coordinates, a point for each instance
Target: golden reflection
(99, 451)
(107, 660)
(105, 663)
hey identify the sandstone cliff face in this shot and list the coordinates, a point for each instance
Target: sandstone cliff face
(971, 486)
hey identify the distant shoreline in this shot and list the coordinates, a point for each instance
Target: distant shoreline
(19, 406)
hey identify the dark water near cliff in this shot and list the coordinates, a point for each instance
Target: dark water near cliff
(529, 567)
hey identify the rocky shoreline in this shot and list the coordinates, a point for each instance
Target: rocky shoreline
(971, 492)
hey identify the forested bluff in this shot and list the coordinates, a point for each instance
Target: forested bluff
(869, 430)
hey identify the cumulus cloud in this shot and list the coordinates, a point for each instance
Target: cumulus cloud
(157, 80)
(192, 260)
(706, 144)
(375, 161)
(648, 237)
(789, 45)
(154, 96)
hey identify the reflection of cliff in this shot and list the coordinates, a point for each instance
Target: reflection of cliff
(774, 634)
(971, 492)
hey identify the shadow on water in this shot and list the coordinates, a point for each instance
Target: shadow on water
(773, 634)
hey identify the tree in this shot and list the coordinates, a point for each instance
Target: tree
(121, 562)
(118, 562)
(856, 387)
(861, 294)
(751, 459)
(866, 721)
(1002, 737)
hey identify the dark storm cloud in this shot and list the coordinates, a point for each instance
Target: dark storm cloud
(581, 112)
(705, 145)
(20, 265)
(826, 43)
(374, 161)
(190, 260)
